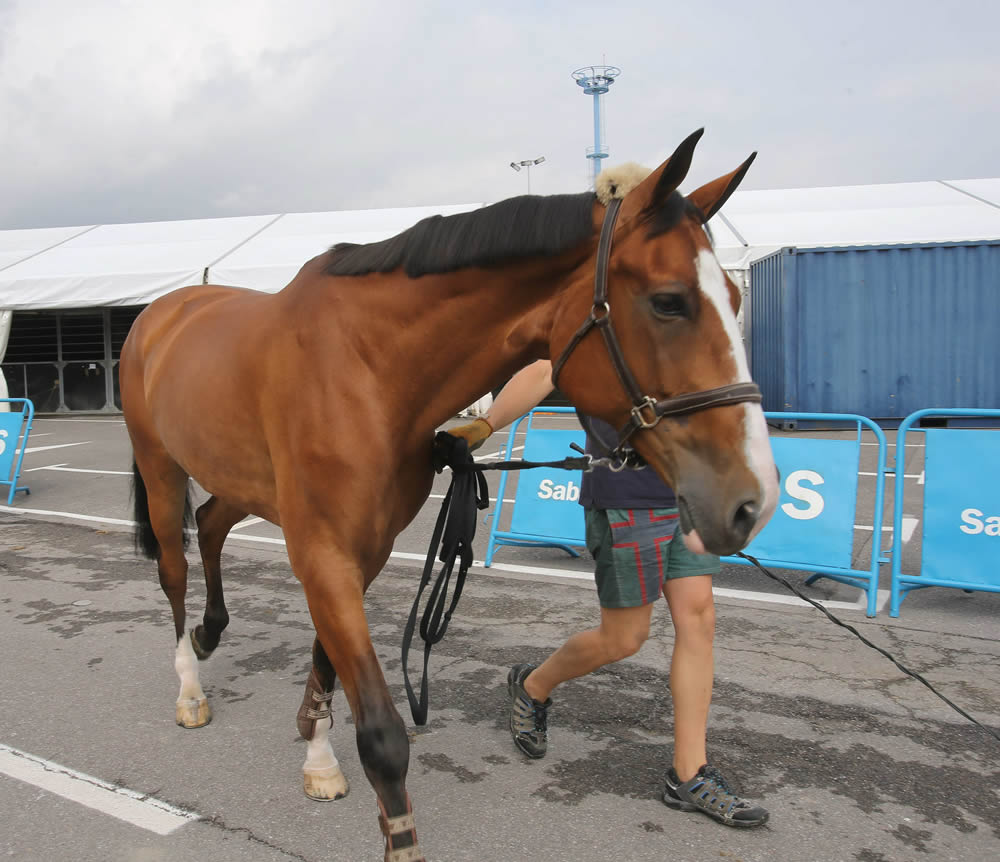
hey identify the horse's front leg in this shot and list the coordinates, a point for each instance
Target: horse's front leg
(335, 593)
(323, 778)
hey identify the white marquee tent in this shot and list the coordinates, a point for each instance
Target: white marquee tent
(96, 276)
(132, 264)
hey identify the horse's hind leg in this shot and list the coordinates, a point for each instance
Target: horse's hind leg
(322, 777)
(215, 519)
(162, 506)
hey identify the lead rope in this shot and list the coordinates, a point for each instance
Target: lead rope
(453, 532)
(456, 528)
(867, 642)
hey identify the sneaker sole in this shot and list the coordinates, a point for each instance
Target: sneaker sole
(534, 755)
(689, 807)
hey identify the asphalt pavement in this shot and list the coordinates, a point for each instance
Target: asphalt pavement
(855, 760)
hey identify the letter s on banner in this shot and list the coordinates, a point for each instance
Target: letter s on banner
(972, 523)
(3, 443)
(813, 499)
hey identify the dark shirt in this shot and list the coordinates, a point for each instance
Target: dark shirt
(628, 489)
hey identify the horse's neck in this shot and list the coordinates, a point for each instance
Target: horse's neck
(466, 334)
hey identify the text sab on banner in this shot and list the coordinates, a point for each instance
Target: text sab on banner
(548, 501)
(962, 506)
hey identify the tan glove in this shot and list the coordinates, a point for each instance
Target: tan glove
(475, 433)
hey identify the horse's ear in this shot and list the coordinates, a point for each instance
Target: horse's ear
(711, 196)
(654, 191)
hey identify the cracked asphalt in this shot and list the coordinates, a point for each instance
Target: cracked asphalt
(855, 760)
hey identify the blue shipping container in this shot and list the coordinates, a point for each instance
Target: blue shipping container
(877, 330)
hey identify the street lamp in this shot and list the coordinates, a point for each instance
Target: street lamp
(527, 164)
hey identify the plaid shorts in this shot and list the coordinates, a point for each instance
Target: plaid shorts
(634, 551)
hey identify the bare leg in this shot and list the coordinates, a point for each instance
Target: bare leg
(691, 668)
(621, 633)
(323, 779)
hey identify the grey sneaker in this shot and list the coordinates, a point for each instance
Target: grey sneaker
(709, 793)
(528, 717)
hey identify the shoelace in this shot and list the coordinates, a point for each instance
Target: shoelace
(718, 779)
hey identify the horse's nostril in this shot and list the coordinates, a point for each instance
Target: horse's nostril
(745, 517)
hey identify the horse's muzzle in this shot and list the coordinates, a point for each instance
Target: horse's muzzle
(714, 535)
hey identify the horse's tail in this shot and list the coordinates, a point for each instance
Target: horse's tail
(146, 542)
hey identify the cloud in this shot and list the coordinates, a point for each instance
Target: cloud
(129, 111)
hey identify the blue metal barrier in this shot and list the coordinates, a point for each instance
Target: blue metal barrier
(960, 545)
(546, 511)
(813, 530)
(14, 426)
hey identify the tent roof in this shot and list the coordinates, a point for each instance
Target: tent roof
(756, 223)
(132, 264)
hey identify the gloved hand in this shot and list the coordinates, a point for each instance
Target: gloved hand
(475, 433)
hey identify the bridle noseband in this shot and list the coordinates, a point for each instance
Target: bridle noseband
(646, 411)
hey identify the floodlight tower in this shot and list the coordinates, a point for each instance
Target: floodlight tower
(527, 164)
(596, 80)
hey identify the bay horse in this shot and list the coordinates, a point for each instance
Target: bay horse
(315, 408)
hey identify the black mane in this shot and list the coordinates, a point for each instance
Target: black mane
(526, 226)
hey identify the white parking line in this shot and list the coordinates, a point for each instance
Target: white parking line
(62, 468)
(31, 449)
(71, 516)
(893, 475)
(48, 467)
(909, 524)
(97, 421)
(120, 802)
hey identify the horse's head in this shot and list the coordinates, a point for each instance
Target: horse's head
(672, 310)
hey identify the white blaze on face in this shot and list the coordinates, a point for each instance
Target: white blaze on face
(756, 444)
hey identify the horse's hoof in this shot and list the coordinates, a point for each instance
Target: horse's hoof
(405, 854)
(325, 785)
(193, 712)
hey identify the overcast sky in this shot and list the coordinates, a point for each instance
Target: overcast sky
(136, 111)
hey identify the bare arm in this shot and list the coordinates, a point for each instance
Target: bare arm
(523, 392)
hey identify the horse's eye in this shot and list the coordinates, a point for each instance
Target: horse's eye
(668, 305)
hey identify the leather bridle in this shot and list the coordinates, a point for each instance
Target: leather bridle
(646, 411)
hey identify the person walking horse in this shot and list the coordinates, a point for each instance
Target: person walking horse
(631, 531)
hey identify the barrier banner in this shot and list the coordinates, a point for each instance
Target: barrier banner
(546, 510)
(960, 544)
(962, 506)
(548, 501)
(11, 426)
(814, 521)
